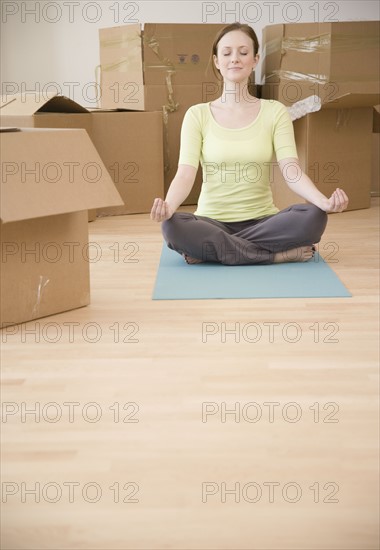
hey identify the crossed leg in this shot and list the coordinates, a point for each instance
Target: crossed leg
(283, 237)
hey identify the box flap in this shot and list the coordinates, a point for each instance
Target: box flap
(6, 99)
(47, 172)
(30, 104)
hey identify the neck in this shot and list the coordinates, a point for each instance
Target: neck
(236, 94)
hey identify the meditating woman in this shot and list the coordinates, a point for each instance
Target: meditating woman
(234, 137)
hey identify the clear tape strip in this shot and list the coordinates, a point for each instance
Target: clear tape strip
(322, 43)
(315, 78)
(291, 75)
(172, 105)
(122, 41)
(121, 66)
(40, 290)
(319, 43)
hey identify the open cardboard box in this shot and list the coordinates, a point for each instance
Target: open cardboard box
(129, 143)
(50, 178)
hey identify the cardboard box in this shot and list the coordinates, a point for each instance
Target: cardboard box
(375, 184)
(161, 54)
(50, 178)
(326, 59)
(334, 150)
(129, 143)
(339, 63)
(131, 147)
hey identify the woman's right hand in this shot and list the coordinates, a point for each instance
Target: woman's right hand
(160, 211)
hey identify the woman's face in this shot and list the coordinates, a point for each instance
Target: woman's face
(235, 59)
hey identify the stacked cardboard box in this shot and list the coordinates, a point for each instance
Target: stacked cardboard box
(330, 60)
(49, 180)
(163, 66)
(129, 143)
(134, 59)
(339, 63)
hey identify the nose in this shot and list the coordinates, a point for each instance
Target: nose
(235, 57)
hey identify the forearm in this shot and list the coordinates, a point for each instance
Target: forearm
(301, 184)
(178, 191)
(306, 189)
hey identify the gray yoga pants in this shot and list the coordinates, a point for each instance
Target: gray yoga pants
(244, 242)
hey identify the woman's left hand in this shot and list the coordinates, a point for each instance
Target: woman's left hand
(336, 203)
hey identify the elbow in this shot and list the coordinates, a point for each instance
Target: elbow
(291, 171)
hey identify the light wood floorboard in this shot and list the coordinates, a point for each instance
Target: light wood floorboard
(322, 468)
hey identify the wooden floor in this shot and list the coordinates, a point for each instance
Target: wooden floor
(135, 443)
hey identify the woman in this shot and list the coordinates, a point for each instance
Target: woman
(234, 137)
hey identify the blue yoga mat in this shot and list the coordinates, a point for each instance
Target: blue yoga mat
(176, 280)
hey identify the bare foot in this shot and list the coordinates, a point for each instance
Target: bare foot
(190, 260)
(301, 254)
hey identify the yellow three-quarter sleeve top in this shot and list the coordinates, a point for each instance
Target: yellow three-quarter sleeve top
(236, 163)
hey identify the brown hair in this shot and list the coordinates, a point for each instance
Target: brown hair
(235, 27)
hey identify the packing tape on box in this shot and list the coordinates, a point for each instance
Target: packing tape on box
(124, 40)
(343, 117)
(166, 64)
(172, 105)
(318, 43)
(321, 43)
(124, 65)
(152, 43)
(314, 78)
(132, 43)
(40, 292)
(291, 75)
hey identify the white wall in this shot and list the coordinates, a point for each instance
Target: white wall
(53, 45)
